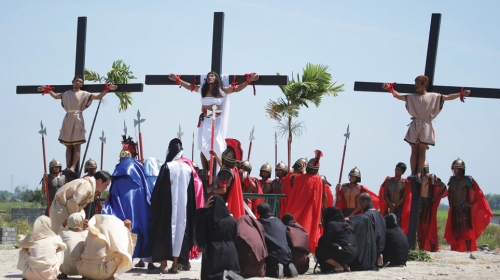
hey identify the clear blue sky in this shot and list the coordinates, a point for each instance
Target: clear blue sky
(358, 40)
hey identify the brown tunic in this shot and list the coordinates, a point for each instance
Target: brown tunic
(73, 127)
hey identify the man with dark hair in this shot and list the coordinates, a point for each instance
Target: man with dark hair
(265, 174)
(74, 196)
(423, 108)
(279, 260)
(74, 102)
(378, 223)
(395, 197)
(469, 212)
(433, 190)
(55, 181)
(298, 241)
(347, 194)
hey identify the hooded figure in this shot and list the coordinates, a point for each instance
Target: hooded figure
(215, 235)
(337, 247)
(74, 237)
(396, 243)
(298, 241)
(172, 207)
(42, 252)
(251, 246)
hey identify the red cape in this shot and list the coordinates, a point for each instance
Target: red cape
(256, 201)
(329, 193)
(287, 189)
(341, 202)
(429, 231)
(481, 216)
(305, 204)
(235, 196)
(405, 213)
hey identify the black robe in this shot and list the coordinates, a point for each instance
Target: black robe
(378, 223)
(396, 245)
(161, 219)
(367, 243)
(277, 245)
(215, 234)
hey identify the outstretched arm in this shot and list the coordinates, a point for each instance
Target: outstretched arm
(253, 77)
(394, 92)
(455, 95)
(183, 83)
(51, 92)
(104, 92)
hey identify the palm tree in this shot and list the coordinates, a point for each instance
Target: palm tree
(118, 74)
(316, 82)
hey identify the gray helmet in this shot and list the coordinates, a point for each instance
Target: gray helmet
(54, 163)
(246, 165)
(356, 173)
(460, 164)
(266, 167)
(426, 167)
(90, 164)
(300, 163)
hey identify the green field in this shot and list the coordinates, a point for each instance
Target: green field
(7, 205)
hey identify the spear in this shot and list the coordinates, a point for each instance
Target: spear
(138, 123)
(43, 130)
(180, 133)
(103, 141)
(250, 146)
(276, 149)
(192, 149)
(346, 135)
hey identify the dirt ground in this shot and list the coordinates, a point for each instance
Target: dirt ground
(445, 265)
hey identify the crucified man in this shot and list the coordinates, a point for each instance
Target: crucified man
(75, 101)
(423, 108)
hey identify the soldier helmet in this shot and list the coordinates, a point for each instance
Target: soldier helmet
(426, 167)
(266, 167)
(90, 164)
(356, 173)
(246, 165)
(458, 163)
(282, 166)
(233, 153)
(313, 164)
(54, 163)
(300, 163)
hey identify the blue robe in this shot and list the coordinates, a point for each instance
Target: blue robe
(129, 198)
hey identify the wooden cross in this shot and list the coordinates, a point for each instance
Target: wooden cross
(217, 42)
(80, 71)
(430, 66)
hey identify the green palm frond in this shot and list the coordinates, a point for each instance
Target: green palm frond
(118, 74)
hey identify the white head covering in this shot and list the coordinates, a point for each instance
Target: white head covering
(41, 229)
(75, 221)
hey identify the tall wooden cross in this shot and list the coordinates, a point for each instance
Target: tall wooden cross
(430, 67)
(217, 42)
(80, 70)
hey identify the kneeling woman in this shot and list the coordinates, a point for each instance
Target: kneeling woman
(337, 247)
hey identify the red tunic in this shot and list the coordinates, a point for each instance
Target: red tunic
(252, 203)
(287, 189)
(405, 211)
(305, 204)
(341, 202)
(481, 216)
(235, 196)
(429, 231)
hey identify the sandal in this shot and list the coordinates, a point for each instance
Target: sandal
(172, 271)
(140, 264)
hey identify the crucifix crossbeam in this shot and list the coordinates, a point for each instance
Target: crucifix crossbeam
(217, 44)
(80, 69)
(430, 66)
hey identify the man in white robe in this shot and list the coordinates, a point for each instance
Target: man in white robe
(42, 252)
(74, 237)
(74, 196)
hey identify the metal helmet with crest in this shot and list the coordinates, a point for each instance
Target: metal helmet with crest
(313, 164)
(54, 163)
(356, 173)
(233, 153)
(90, 164)
(129, 147)
(458, 163)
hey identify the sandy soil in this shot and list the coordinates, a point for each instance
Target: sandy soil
(445, 265)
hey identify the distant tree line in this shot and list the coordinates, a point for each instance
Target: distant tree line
(494, 201)
(24, 194)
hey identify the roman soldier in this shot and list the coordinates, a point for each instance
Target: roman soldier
(228, 182)
(395, 197)
(347, 194)
(327, 188)
(433, 190)
(250, 185)
(277, 184)
(55, 181)
(90, 168)
(469, 212)
(298, 168)
(265, 174)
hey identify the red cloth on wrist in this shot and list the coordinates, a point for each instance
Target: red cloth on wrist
(106, 87)
(47, 89)
(247, 79)
(462, 98)
(193, 84)
(234, 83)
(390, 88)
(178, 80)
